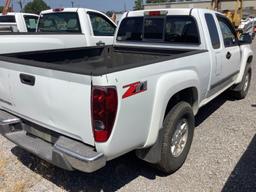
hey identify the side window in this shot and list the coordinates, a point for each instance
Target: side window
(31, 23)
(228, 33)
(101, 25)
(213, 31)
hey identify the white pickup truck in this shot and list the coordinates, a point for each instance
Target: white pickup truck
(62, 28)
(79, 108)
(18, 22)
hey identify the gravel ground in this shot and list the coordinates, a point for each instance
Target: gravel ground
(222, 158)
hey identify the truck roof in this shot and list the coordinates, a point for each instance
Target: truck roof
(68, 10)
(18, 13)
(170, 11)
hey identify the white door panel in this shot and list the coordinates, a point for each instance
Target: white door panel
(230, 61)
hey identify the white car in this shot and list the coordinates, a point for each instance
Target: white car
(247, 26)
(60, 29)
(18, 22)
(79, 108)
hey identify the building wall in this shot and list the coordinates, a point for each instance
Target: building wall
(200, 4)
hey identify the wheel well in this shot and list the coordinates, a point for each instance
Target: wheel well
(249, 60)
(189, 95)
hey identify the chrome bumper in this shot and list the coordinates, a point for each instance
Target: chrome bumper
(65, 152)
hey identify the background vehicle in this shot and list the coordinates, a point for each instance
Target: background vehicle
(247, 26)
(18, 22)
(79, 108)
(62, 28)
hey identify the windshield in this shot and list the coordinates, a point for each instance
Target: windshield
(170, 29)
(59, 22)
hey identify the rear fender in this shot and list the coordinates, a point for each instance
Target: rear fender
(167, 86)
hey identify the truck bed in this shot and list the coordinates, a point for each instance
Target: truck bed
(96, 60)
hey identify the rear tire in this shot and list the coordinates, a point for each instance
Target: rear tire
(178, 130)
(244, 86)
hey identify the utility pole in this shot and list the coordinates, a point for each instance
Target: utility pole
(72, 3)
(20, 4)
(125, 6)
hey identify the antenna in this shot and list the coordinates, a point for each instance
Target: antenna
(125, 9)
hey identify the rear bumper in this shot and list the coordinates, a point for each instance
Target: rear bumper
(64, 152)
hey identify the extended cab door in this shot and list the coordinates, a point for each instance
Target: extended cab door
(216, 51)
(102, 29)
(225, 52)
(231, 55)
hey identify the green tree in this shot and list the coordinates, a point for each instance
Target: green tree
(36, 6)
(9, 10)
(109, 13)
(138, 5)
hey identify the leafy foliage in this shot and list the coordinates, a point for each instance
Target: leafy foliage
(138, 5)
(36, 6)
(1, 9)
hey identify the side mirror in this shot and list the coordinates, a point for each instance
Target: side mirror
(245, 39)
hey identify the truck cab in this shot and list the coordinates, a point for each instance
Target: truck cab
(96, 25)
(60, 29)
(79, 108)
(18, 22)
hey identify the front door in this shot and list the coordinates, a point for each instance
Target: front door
(231, 55)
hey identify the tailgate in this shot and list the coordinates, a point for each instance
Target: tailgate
(58, 100)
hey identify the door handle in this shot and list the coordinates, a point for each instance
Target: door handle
(100, 43)
(228, 55)
(27, 79)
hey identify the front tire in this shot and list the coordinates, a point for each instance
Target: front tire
(243, 87)
(177, 137)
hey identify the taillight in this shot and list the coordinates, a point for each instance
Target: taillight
(156, 13)
(58, 9)
(104, 109)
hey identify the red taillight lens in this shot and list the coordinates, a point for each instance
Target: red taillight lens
(58, 9)
(154, 13)
(104, 108)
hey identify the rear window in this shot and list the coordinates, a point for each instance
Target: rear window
(7, 19)
(59, 22)
(153, 28)
(131, 29)
(170, 29)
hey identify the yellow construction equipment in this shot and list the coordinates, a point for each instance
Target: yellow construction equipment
(235, 16)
